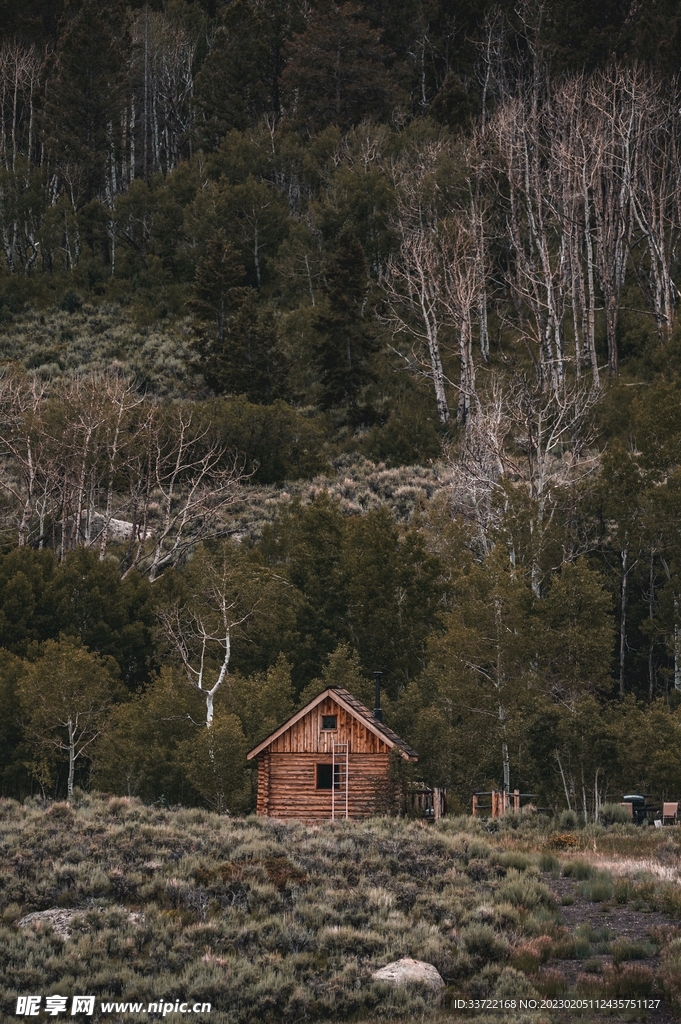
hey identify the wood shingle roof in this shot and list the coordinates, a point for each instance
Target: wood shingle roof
(354, 707)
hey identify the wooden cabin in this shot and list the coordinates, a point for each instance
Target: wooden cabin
(330, 760)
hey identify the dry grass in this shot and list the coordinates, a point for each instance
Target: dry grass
(274, 922)
(102, 338)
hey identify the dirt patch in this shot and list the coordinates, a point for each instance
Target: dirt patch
(637, 927)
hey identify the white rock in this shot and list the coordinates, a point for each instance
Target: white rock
(408, 972)
(59, 919)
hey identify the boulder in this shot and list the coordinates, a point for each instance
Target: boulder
(61, 920)
(58, 918)
(410, 972)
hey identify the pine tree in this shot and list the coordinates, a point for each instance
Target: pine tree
(247, 359)
(338, 71)
(217, 290)
(239, 81)
(346, 341)
(85, 93)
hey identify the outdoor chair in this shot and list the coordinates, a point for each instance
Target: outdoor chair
(670, 813)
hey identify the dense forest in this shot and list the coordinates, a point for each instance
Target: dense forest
(340, 338)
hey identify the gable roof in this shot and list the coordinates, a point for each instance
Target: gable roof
(353, 707)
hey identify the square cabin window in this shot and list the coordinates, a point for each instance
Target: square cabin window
(328, 722)
(324, 776)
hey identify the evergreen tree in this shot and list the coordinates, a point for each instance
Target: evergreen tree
(31, 20)
(214, 760)
(239, 80)
(394, 594)
(81, 597)
(574, 632)
(247, 359)
(116, 618)
(82, 115)
(217, 283)
(306, 543)
(346, 339)
(338, 71)
(142, 748)
(262, 701)
(12, 770)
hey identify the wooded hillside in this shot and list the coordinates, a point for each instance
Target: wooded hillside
(340, 338)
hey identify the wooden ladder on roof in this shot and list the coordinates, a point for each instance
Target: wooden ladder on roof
(340, 763)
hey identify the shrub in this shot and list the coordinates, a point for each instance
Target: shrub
(590, 985)
(568, 820)
(71, 302)
(669, 900)
(599, 888)
(279, 442)
(623, 891)
(628, 982)
(600, 936)
(506, 916)
(625, 950)
(408, 437)
(551, 983)
(670, 974)
(548, 862)
(480, 940)
(515, 859)
(581, 947)
(592, 967)
(540, 922)
(478, 870)
(528, 956)
(483, 984)
(512, 984)
(525, 892)
(563, 840)
(477, 849)
(578, 869)
(614, 814)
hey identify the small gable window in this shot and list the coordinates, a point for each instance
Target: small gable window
(329, 722)
(324, 776)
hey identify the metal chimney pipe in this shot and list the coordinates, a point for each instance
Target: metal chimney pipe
(378, 714)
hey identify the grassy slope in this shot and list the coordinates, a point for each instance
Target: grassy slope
(101, 338)
(282, 922)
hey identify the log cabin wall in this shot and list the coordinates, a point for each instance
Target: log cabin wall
(263, 801)
(287, 769)
(292, 792)
(307, 736)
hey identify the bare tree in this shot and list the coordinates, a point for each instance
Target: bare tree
(463, 272)
(227, 594)
(613, 119)
(435, 282)
(89, 460)
(526, 438)
(414, 289)
(537, 244)
(182, 483)
(477, 466)
(20, 68)
(24, 476)
(656, 197)
(163, 67)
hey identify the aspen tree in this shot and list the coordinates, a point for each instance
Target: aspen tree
(64, 696)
